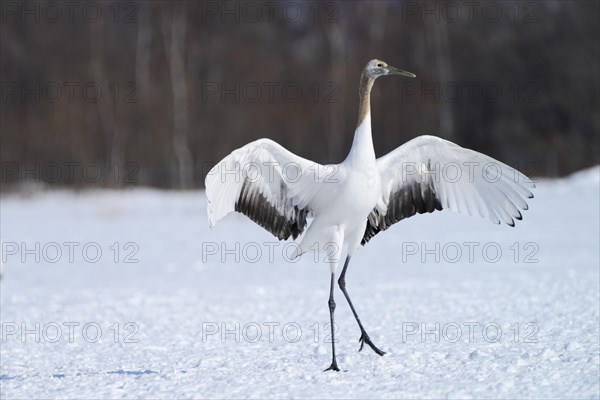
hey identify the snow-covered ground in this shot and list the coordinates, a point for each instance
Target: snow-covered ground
(129, 294)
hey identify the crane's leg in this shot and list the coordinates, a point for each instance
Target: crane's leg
(364, 337)
(331, 303)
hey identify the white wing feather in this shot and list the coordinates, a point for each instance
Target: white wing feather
(462, 180)
(284, 180)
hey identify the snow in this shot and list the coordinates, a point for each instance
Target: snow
(182, 322)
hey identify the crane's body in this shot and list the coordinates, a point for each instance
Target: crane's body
(357, 187)
(352, 201)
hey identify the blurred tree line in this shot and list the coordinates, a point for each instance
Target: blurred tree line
(155, 93)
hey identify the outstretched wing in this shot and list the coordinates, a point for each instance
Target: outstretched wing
(428, 174)
(267, 183)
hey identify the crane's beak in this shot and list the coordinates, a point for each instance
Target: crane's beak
(397, 71)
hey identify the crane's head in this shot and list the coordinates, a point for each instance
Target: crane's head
(376, 68)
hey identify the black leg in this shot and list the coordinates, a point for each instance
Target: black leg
(331, 303)
(364, 338)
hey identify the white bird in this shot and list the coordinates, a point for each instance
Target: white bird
(353, 201)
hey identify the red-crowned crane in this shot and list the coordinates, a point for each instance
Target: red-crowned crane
(353, 201)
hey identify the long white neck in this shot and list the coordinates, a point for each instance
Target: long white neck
(362, 150)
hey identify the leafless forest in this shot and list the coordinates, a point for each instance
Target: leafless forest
(154, 93)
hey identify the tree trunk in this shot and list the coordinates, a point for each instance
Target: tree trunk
(142, 53)
(444, 73)
(175, 51)
(113, 173)
(337, 126)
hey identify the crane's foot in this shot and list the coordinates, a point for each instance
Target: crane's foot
(333, 367)
(364, 338)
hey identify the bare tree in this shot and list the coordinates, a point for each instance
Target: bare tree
(106, 107)
(379, 10)
(175, 27)
(438, 41)
(142, 52)
(337, 126)
(378, 22)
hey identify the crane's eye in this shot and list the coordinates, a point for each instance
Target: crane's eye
(380, 65)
